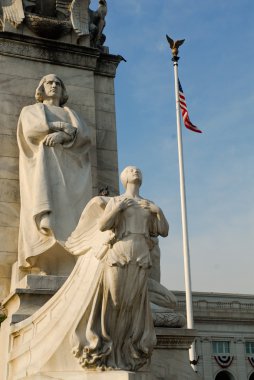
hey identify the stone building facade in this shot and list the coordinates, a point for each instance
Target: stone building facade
(225, 343)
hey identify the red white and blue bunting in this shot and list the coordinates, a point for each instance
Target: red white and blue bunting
(251, 360)
(224, 361)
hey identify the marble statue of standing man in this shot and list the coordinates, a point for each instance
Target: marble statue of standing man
(55, 175)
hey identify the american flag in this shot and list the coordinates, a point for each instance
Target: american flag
(188, 124)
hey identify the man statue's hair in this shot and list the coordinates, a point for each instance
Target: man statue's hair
(40, 93)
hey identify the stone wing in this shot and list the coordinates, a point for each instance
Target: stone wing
(12, 11)
(87, 235)
(63, 6)
(80, 16)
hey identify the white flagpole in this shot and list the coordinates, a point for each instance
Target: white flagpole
(187, 271)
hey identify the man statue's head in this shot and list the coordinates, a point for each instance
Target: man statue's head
(51, 86)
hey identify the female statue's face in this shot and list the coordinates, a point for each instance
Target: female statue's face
(134, 175)
(52, 87)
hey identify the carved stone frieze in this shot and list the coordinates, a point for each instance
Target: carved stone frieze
(180, 339)
(47, 27)
(54, 19)
(35, 49)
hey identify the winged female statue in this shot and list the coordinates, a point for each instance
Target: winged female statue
(107, 321)
(116, 329)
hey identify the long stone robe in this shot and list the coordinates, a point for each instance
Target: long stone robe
(117, 328)
(54, 181)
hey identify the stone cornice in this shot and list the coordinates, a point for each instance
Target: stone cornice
(175, 338)
(59, 53)
(107, 64)
(218, 307)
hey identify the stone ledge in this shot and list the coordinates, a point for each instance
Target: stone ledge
(93, 375)
(3, 314)
(55, 52)
(175, 338)
(38, 282)
(22, 303)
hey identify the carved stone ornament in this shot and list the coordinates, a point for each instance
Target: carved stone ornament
(55, 18)
(163, 303)
(165, 318)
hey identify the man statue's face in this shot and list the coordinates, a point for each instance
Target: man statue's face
(52, 87)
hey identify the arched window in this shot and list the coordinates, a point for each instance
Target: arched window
(225, 375)
(251, 376)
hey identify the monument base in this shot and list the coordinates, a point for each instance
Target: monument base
(95, 375)
(170, 359)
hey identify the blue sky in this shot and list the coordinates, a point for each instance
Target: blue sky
(217, 74)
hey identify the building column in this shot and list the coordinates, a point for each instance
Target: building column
(240, 357)
(207, 362)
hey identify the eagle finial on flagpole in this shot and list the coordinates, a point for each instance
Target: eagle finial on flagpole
(174, 45)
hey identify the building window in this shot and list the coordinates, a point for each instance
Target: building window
(249, 347)
(224, 375)
(221, 347)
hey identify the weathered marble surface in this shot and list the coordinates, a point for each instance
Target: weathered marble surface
(87, 74)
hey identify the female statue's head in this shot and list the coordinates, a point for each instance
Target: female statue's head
(131, 174)
(51, 86)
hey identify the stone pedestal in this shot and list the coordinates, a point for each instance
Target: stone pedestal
(32, 292)
(89, 77)
(170, 359)
(110, 375)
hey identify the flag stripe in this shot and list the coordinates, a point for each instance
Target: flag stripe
(183, 105)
